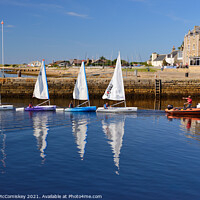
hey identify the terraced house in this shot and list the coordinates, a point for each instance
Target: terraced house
(191, 51)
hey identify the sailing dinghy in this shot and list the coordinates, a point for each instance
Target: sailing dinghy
(41, 92)
(115, 91)
(81, 93)
(3, 107)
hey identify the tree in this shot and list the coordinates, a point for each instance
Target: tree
(102, 58)
(165, 62)
(181, 47)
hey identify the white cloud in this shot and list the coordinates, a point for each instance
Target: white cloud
(175, 18)
(77, 15)
(10, 26)
(30, 4)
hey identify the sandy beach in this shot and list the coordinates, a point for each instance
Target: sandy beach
(107, 72)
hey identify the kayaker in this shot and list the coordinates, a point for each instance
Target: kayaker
(30, 105)
(189, 102)
(106, 106)
(71, 105)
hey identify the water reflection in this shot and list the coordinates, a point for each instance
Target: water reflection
(3, 140)
(190, 125)
(147, 103)
(3, 144)
(40, 129)
(114, 131)
(79, 129)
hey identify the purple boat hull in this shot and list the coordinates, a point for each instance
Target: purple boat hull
(41, 108)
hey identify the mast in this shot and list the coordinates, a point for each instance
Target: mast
(0, 95)
(86, 83)
(46, 80)
(2, 51)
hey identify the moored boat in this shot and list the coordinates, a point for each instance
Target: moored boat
(115, 91)
(117, 109)
(81, 93)
(3, 107)
(183, 111)
(81, 109)
(41, 108)
(6, 107)
(41, 91)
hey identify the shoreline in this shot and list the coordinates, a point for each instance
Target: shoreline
(106, 72)
(174, 83)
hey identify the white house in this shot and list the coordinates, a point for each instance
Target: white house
(35, 64)
(172, 59)
(157, 60)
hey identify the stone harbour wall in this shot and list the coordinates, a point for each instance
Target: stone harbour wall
(63, 87)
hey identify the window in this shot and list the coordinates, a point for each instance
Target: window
(193, 47)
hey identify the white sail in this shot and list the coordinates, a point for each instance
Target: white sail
(41, 86)
(81, 90)
(115, 89)
(114, 132)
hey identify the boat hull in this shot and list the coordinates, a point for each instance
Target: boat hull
(81, 109)
(6, 107)
(117, 109)
(41, 108)
(182, 111)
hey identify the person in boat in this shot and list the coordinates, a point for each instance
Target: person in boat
(189, 102)
(30, 105)
(71, 105)
(106, 106)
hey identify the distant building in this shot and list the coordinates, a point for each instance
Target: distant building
(76, 62)
(157, 60)
(60, 63)
(34, 64)
(172, 59)
(191, 51)
(99, 62)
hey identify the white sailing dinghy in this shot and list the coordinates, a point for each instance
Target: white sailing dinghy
(3, 107)
(81, 93)
(41, 92)
(115, 91)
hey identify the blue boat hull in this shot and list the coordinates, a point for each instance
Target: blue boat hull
(41, 108)
(81, 109)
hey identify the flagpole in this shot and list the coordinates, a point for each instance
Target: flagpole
(2, 51)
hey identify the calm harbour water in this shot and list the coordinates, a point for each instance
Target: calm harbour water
(145, 155)
(8, 75)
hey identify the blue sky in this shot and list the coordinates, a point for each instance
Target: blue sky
(67, 29)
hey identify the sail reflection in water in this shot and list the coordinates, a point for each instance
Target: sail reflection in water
(79, 129)
(114, 131)
(40, 125)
